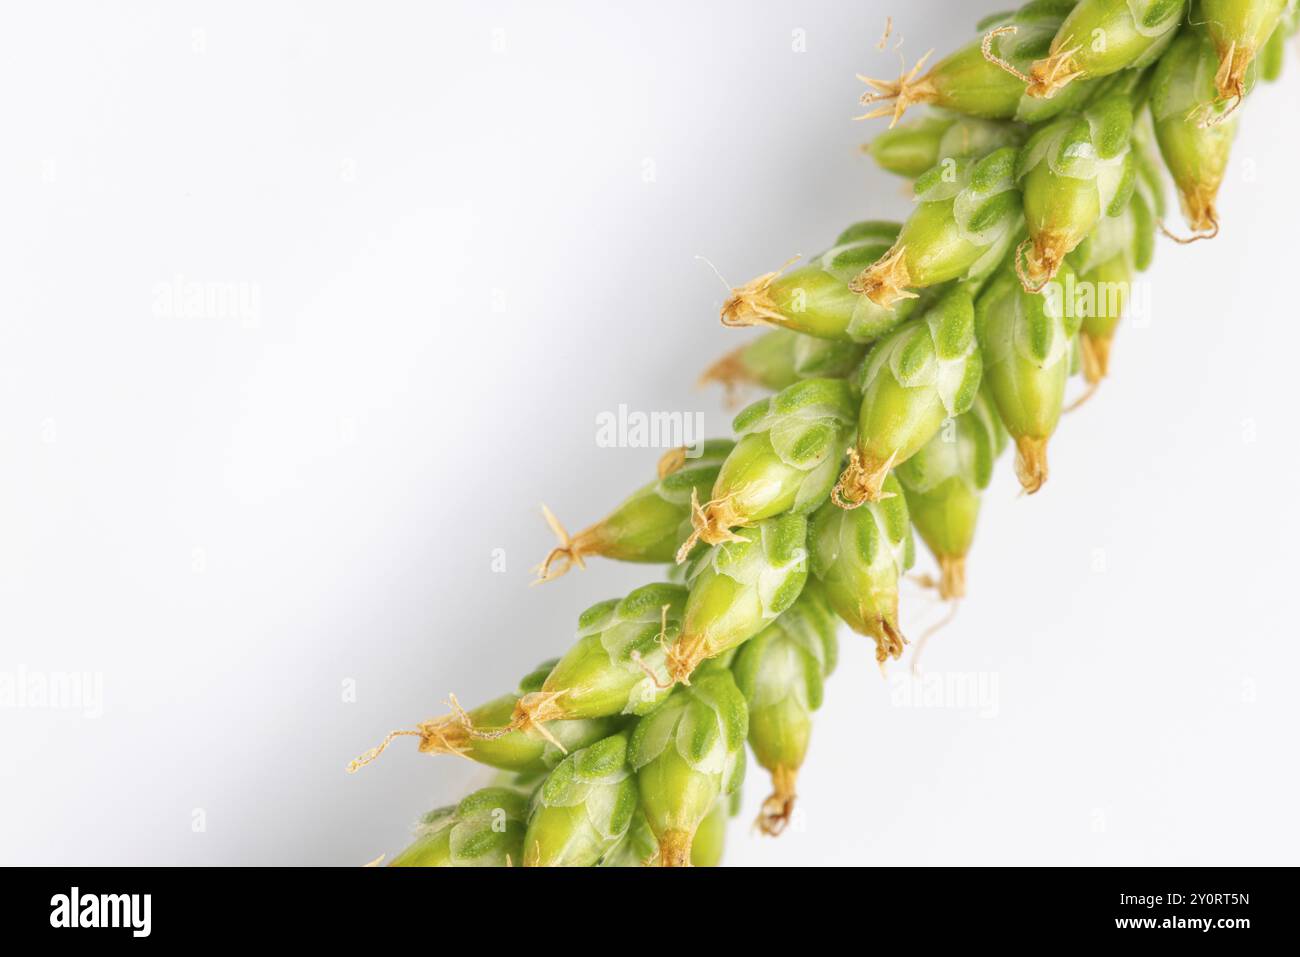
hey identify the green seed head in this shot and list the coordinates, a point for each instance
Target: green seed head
(651, 523)
(1026, 339)
(927, 371)
(944, 482)
(1194, 133)
(786, 459)
(1101, 37)
(1238, 30)
(737, 588)
(984, 84)
(780, 672)
(617, 664)
(687, 753)
(859, 555)
(583, 808)
(485, 830)
(815, 298)
(967, 212)
(1072, 172)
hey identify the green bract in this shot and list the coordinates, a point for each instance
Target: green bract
(1027, 343)
(486, 829)
(1195, 134)
(986, 77)
(1238, 29)
(652, 522)
(737, 588)
(786, 459)
(859, 556)
(583, 808)
(925, 372)
(1101, 37)
(780, 673)
(911, 149)
(1073, 171)
(815, 299)
(967, 213)
(687, 753)
(943, 483)
(617, 665)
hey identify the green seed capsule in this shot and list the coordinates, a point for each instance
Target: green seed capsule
(911, 149)
(737, 588)
(1101, 37)
(925, 372)
(1238, 29)
(650, 524)
(710, 837)
(488, 734)
(767, 362)
(786, 459)
(780, 672)
(1195, 134)
(966, 216)
(944, 482)
(485, 830)
(985, 78)
(859, 556)
(618, 664)
(1072, 172)
(583, 808)
(1027, 343)
(815, 299)
(687, 753)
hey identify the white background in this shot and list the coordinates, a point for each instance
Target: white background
(461, 258)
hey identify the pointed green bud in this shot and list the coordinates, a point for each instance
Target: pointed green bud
(1238, 30)
(944, 482)
(651, 523)
(1194, 133)
(815, 299)
(985, 78)
(737, 588)
(583, 808)
(1027, 341)
(687, 753)
(1073, 172)
(859, 555)
(966, 216)
(786, 459)
(1101, 37)
(780, 672)
(617, 666)
(485, 830)
(926, 371)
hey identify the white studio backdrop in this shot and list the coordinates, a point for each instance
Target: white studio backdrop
(308, 306)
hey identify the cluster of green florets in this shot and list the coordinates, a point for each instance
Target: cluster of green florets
(903, 360)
